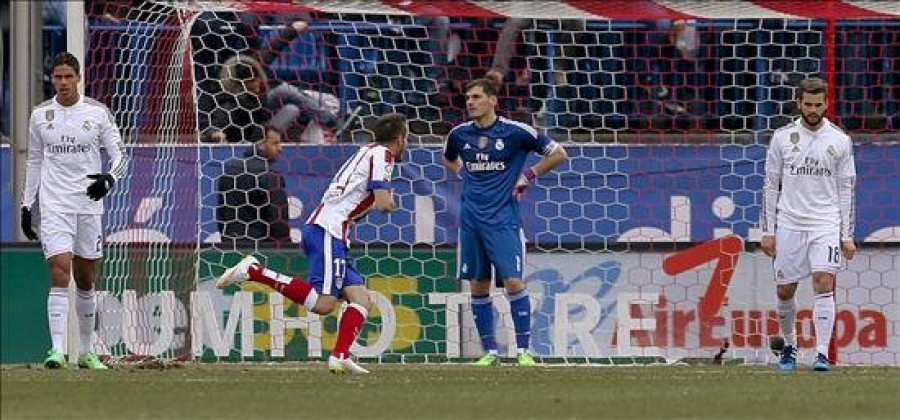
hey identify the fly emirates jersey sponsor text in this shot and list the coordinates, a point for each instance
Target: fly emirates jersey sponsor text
(64, 145)
(816, 172)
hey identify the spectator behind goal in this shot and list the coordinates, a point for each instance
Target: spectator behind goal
(252, 202)
(246, 103)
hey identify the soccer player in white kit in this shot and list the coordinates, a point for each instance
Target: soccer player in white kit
(63, 171)
(808, 215)
(361, 185)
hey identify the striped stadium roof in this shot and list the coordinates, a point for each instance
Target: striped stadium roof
(596, 9)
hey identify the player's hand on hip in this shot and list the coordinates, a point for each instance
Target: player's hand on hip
(521, 186)
(26, 225)
(523, 182)
(767, 243)
(848, 248)
(100, 187)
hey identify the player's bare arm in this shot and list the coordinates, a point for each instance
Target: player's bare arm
(384, 200)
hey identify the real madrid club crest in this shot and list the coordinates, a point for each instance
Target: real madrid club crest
(48, 115)
(482, 142)
(86, 126)
(795, 138)
(499, 144)
(831, 152)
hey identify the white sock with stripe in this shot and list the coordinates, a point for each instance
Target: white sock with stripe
(58, 316)
(823, 314)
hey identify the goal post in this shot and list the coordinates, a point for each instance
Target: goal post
(74, 45)
(642, 248)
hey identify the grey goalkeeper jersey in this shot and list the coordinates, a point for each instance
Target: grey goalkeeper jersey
(64, 145)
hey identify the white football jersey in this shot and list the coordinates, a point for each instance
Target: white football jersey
(810, 179)
(64, 148)
(349, 197)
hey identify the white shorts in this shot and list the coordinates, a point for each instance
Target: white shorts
(800, 253)
(80, 234)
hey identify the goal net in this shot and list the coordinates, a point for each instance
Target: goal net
(642, 248)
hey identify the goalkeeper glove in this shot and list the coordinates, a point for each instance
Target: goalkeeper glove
(26, 224)
(529, 175)
(100, 187)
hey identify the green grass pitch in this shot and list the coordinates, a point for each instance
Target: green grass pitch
(449, 391)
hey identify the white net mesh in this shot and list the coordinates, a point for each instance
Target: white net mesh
(647, 233)
(136, 60)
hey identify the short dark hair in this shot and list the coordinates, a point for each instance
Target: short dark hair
(66, 59)
(812, 85)
(388, 127)
(489, 86)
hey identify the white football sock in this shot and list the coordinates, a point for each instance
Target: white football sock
(823, 314)
(58, 316)
(85, 307)
(787, 320)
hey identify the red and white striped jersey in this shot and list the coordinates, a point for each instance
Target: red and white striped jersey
(350, 196)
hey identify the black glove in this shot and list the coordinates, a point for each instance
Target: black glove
(101, 186)
(26, 224)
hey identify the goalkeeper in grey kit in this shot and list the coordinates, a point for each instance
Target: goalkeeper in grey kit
(64, 173)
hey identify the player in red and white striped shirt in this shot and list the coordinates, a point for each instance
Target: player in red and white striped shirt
(362, 184)
(354, 190)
